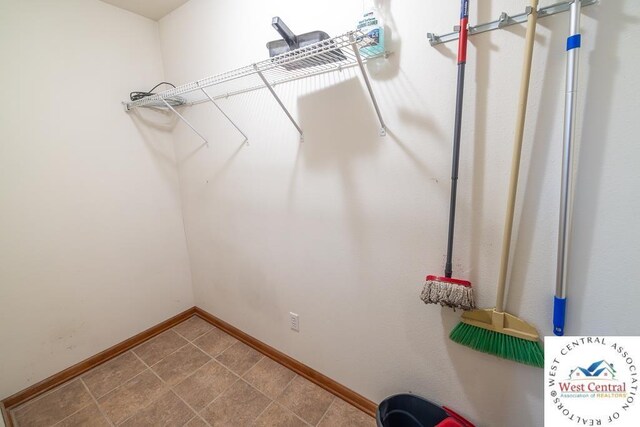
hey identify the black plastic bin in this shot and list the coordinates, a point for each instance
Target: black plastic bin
(409, 410)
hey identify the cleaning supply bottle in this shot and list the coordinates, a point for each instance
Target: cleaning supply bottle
(372, 26)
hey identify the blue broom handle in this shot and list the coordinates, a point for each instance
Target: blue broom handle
(564, 229)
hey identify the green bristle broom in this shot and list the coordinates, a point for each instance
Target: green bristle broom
(492, 330)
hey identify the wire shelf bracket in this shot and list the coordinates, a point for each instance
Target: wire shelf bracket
(506, 20)
(356, 52)
(246, 139)
(333, 54)
(275, 95)
(186, 122)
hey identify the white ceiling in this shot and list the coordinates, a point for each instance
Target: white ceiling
(154, 9)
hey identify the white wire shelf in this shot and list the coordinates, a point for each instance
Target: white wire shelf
(333, 54)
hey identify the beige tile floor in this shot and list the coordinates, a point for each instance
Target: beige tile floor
(191, 375)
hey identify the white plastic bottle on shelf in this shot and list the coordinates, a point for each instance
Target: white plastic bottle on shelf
(372, 26)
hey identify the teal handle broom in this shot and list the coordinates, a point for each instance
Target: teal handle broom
(493, 330)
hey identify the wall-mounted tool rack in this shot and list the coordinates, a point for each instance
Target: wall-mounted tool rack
(333, 54)
(506, 20)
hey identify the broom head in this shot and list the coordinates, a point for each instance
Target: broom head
(449, 292)
(501, 334)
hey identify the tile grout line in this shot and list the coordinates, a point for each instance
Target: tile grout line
(202, 334)
(174, 393)
(207, 353)
(286, 386)
(262, 356)
(170, 354)
(253, 367)
(326, 410)
(275, 401)
(70, 415)
(300, 418)
(197, 416)
(37, 398)
(268, 398)
(223, 366)
(28, 403)
(219, 394)
(59, 386)
(125, 382)
(242, 377)
(282, 392)
(191, 419)
(333, 390)
(239, 377)
(271, 402)
(247, 383)
(152, 401)
(104, 364)
(215, 359)
(96, 402)
(212, 359)
(170, 388)
(201, 418)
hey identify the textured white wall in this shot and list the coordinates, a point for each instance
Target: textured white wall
(92, 246)
(342, 228)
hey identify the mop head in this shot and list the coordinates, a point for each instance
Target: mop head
(449, 292)
(500, 341)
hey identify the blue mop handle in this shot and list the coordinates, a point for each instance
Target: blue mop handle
(564, 229)
(559, 307)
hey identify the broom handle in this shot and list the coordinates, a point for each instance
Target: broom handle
(517, 151)
(564, 229)
(462, 60)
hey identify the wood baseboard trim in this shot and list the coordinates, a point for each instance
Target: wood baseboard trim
(8, 422)
(301, 369)
(90, 363)
(78, 369)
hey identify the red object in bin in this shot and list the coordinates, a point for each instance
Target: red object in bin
(454, 420)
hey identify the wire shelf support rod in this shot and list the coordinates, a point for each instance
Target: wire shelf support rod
(246, 139)
(185, 121)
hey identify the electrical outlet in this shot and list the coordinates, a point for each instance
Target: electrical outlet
(294, 321)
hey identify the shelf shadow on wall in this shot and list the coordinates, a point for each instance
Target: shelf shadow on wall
(341, 130)
(149, 122)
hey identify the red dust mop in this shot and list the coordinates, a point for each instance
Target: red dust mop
(447, 291)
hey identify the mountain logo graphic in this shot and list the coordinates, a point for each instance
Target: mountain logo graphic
(600, 370)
